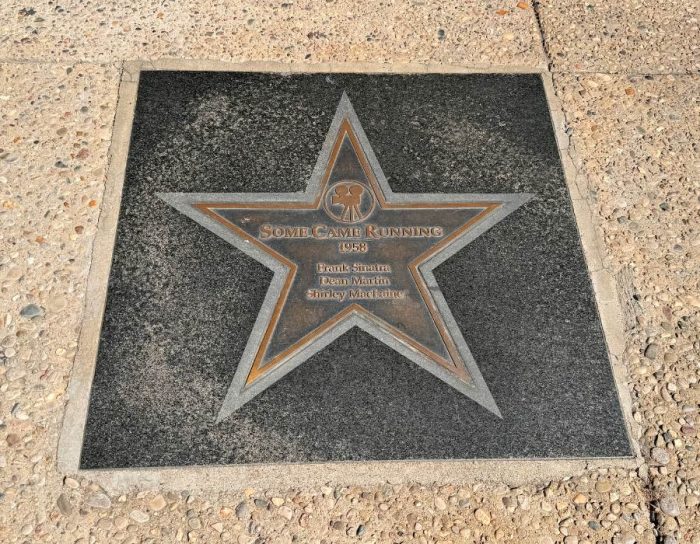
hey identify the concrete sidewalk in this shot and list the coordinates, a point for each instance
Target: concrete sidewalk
(626, 77)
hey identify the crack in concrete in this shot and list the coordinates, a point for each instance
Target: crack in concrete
(545, 48)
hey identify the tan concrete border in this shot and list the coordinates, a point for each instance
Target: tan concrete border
(337, 67)
(233, 477)
(71, 439)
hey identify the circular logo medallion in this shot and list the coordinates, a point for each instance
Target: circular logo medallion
(349, 201)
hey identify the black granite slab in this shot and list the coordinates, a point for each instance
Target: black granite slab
(182, 301)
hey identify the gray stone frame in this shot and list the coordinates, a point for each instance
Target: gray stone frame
(509, 471)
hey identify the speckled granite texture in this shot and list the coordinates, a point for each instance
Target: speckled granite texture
(182, 301)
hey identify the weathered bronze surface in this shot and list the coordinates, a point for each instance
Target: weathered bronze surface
(353, 250)
(351, 256)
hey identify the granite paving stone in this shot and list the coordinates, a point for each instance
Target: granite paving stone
(538, 342)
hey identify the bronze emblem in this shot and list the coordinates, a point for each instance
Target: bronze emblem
(348, 202)
(350, 252)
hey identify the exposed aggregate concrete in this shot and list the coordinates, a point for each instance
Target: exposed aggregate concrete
(636, 142)
(625, 36)
(476, 33)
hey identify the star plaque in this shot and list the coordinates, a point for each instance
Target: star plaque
(262, 272)
(349, 252)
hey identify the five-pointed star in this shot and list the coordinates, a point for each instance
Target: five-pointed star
(349, 252)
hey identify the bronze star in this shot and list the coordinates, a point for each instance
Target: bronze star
(350, 252)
